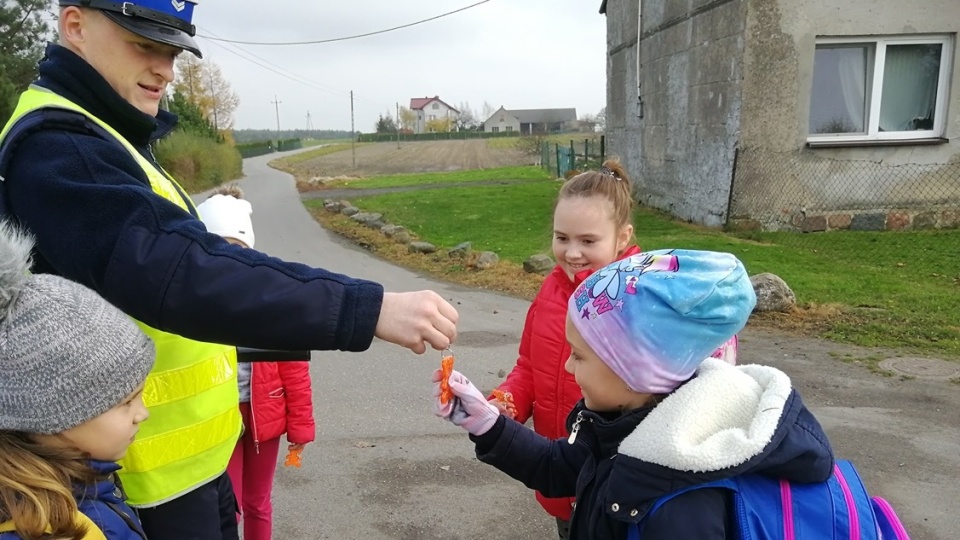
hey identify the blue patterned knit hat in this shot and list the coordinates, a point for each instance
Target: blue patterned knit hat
(654, 317)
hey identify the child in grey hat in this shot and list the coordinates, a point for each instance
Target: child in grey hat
(72, 372)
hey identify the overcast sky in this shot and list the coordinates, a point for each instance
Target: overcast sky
(522, 54)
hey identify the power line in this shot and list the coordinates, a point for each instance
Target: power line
(283, 72)
(345, 38)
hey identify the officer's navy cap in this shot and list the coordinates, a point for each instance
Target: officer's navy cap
(164, 21)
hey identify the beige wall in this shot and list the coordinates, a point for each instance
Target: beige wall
(778, 177)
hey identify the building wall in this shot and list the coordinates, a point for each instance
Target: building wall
(681, 153)
(782, 184)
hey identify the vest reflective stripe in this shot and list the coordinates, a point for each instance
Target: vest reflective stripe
(191, 392)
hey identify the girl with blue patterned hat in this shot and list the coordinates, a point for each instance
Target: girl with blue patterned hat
(655, 416)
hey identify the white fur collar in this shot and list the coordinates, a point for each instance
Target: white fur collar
(720, 419)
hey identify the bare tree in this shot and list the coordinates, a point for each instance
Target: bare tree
(602, 119)
(487, 111)
(467, 118)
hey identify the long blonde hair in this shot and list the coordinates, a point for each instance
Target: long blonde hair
(36, 487)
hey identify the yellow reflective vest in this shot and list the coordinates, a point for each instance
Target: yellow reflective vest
(192, 391)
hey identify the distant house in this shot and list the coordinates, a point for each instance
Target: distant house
(431, 108)
(528, 121)
(501, 121)
(788, 114)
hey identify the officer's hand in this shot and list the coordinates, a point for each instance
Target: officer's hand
(409, 319)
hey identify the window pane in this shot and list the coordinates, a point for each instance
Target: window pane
(838, 100)
(910, 77)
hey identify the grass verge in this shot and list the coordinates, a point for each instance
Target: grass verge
(476, 175)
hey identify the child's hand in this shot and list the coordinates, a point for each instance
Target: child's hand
(504, 408)
(469, 409)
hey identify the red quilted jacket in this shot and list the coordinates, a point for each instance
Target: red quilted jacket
(540, 385)
(281, 401)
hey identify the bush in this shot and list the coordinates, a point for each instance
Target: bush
(198, 163)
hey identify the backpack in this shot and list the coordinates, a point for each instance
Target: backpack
(769, 508)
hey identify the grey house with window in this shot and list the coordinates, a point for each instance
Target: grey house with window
(803, 115)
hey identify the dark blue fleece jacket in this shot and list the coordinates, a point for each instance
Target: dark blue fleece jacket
(620, 464)
(97, 222)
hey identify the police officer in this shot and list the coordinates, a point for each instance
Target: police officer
(79, 175)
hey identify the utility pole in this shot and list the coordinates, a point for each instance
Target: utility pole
(213, 94)
(397, 124)
(309, 122)
(353, 134)
(276, 103)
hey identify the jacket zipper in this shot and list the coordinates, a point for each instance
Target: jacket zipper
(575, 428)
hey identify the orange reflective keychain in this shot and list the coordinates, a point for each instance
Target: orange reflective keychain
(293, 458)
(446, 368)
(507, 399)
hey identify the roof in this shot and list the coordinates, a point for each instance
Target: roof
(543, 116)
(420, 103)
(603, 7)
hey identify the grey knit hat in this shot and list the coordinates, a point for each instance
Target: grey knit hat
(66, 354)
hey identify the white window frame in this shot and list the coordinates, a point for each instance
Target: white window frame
(875, 90)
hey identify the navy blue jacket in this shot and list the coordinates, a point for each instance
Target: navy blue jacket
(97, 222)
(615, 491)
(104, 504)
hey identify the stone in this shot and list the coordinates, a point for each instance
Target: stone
(345, 203)
(949, 219)
(333, 207)
(538, 264)
(773, 294)
(925, 220)
(422, 247)
(461, 250)
(367, 217)
(814, 224)
(487, 259)
(350, 210)
(868, 222)
(403, 237)
(390, 231)
(839, 221)
(898, 221)
(375, 224)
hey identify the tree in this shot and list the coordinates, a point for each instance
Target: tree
(190, 117)
(440, 125)
(23, 32)
(487, 111)
(385, 124)
(467, 118)
(408, 118)
(588, 123)
(601, 119)
(202, 83)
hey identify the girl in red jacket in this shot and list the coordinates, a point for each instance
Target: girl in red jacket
(275, 397)
(592, 227)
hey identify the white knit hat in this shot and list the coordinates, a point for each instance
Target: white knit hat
(228, 217)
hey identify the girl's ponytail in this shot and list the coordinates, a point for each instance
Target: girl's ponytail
(609, 181)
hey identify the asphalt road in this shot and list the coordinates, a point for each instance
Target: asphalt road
(384, 467)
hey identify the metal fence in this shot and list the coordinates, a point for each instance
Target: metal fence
(806, 192)
(563, 158)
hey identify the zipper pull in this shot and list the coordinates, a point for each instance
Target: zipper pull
(575, 429)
